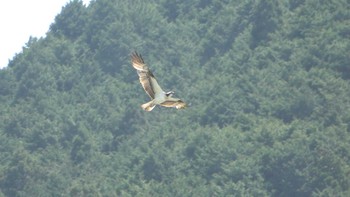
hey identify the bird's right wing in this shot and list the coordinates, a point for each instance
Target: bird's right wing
(174, 102)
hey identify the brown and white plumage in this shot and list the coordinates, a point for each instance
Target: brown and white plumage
(152, 88)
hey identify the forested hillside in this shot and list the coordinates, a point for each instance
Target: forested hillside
(268, 84)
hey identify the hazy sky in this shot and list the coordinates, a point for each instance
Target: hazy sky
(20, 19)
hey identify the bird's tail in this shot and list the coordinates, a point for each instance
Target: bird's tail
(148, 106)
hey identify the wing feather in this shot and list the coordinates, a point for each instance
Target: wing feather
(146, 77)
(174, 102)
(138, 63)
(146, 82)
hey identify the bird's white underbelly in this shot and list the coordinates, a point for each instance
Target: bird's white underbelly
(159, 98)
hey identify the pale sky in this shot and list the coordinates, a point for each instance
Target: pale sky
(20, 19)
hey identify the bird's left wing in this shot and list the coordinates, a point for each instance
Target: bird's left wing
(146, 77)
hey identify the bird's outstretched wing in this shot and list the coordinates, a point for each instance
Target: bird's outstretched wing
(146, 77)
(174, 102)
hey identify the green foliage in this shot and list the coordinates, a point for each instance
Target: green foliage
(267, 85)
(71, 22)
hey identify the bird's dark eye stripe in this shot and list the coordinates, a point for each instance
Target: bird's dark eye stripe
(169, 93)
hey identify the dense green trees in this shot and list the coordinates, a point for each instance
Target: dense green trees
(267, 84)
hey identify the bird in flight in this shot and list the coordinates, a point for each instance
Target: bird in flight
(152, 88)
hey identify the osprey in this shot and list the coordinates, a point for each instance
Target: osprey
(152, 88)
